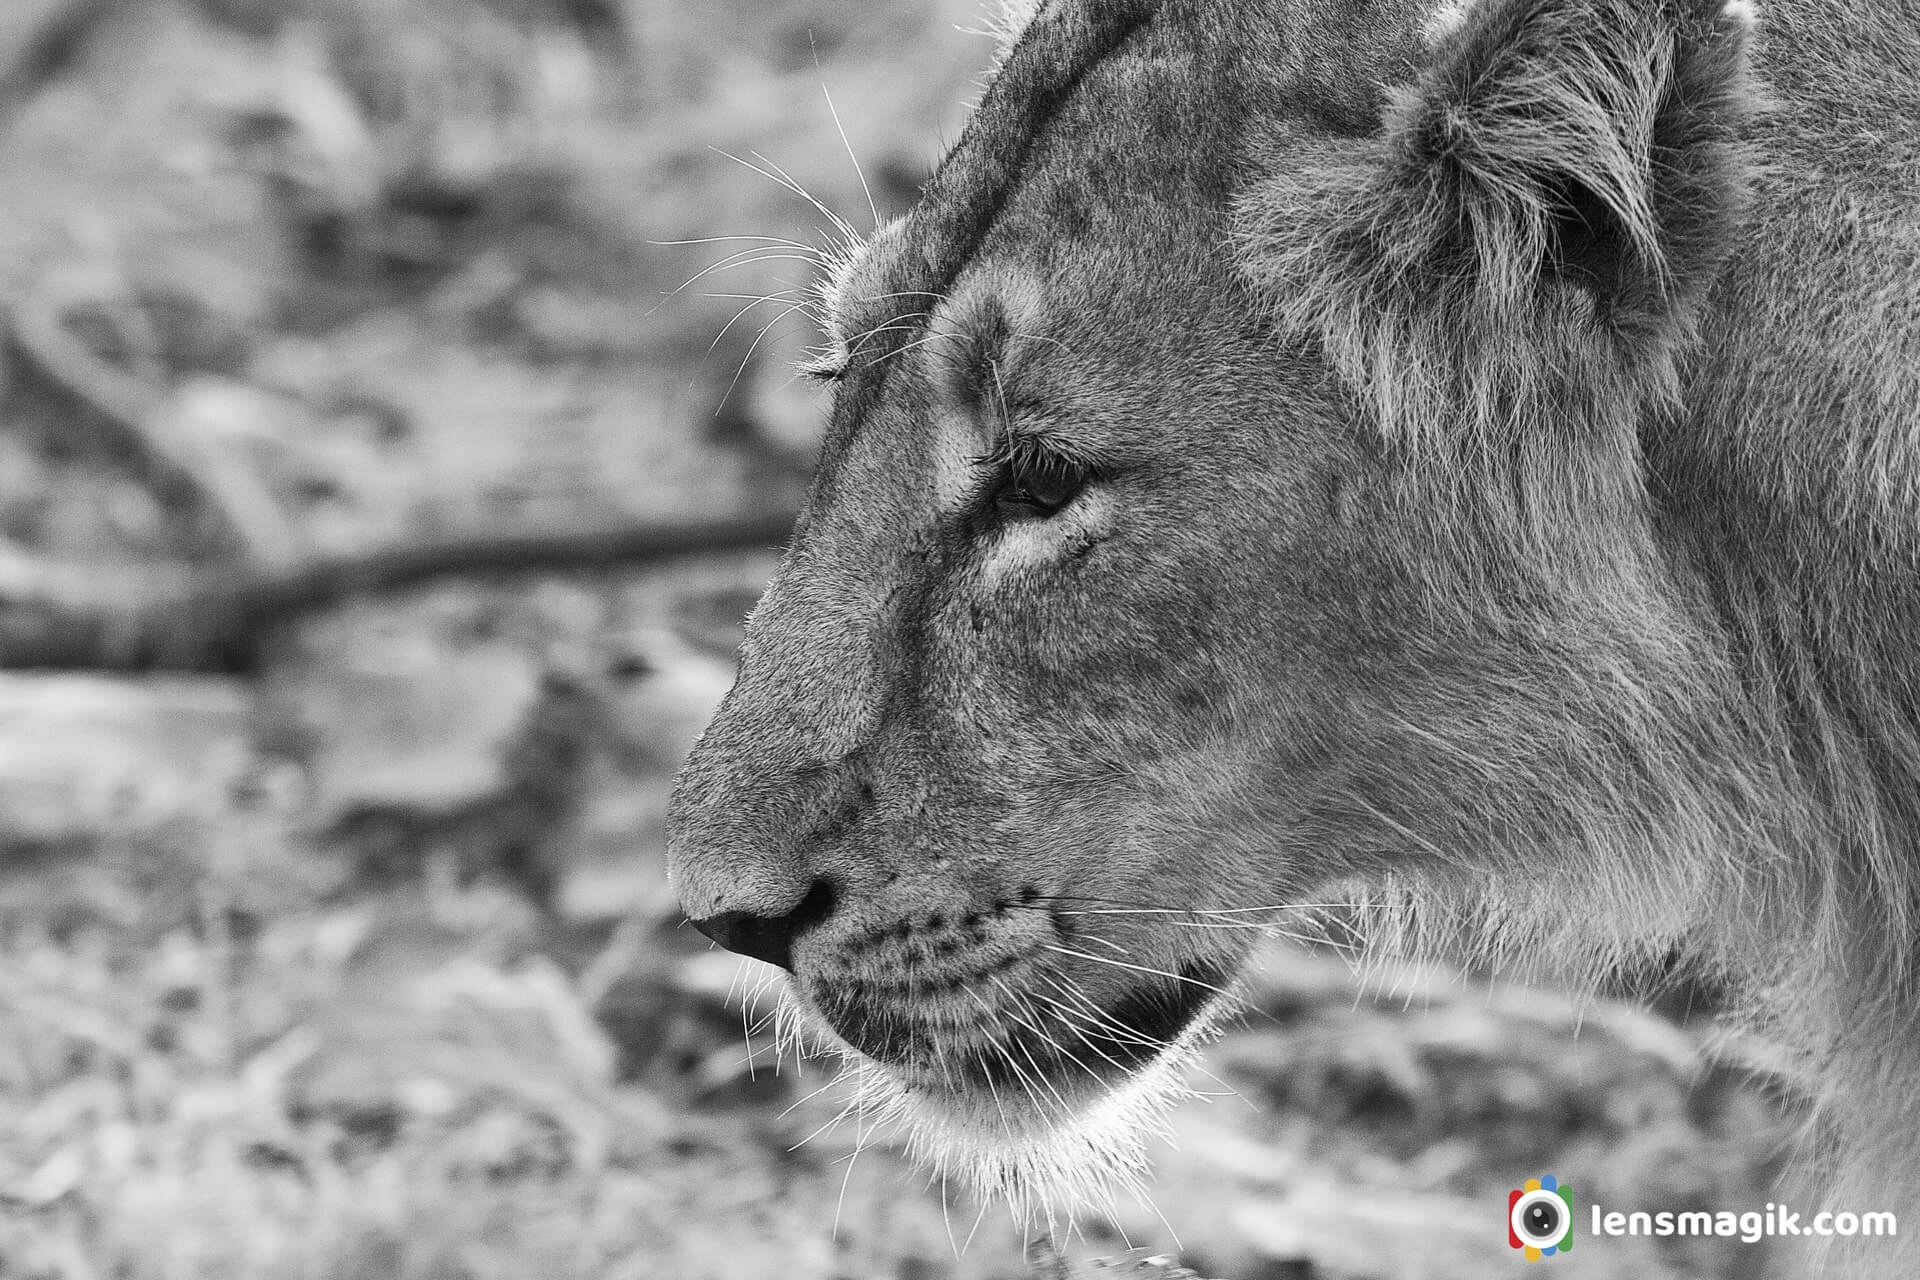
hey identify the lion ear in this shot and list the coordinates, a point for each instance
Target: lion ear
(1006, 22)
(1548, 201)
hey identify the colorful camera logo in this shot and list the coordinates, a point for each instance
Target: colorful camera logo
(1540, 1218)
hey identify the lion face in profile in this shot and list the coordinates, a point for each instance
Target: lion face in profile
(1303, 451)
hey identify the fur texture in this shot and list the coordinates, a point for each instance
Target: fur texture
(1006, 22)
(1490, 448)
(1538, 224)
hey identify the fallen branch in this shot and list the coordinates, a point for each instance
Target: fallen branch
(214, 620)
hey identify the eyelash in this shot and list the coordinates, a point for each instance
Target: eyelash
(1033, 479)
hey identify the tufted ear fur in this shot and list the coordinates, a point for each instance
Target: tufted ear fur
(1006, 22)
(1527, 243)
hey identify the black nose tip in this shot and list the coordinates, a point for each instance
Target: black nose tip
(770, 938)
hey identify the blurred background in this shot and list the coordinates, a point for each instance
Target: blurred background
(396, 422)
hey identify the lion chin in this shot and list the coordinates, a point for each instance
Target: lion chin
(1044, 1149)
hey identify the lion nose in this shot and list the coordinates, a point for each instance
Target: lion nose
(770, 938)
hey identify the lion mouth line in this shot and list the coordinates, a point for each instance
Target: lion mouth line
(1029, 1044)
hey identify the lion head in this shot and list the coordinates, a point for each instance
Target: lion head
(1297, 451)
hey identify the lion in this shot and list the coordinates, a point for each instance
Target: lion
(1462, 462)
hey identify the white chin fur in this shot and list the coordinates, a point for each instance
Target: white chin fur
(1040, 1163)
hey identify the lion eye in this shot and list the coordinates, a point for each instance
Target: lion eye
(1035, 483)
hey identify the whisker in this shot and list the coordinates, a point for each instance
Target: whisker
(1125, 908)
(1105, 1022)
(1023, 1018)
(968, 1242)
(1038, 1077)
(935, 294)
(1066, 1051)
(876, 331)
(872, 208)
(1264, 928)
(746, 257)
(1171, 1233)
(746, 1025)
(1039, 337)
(846, 1179)
(1118, 1033)
(778, 295)
(946, 1214)
(775, 174)
(1147, 969)
(740, 971)
(754, 346)
(906, 347)
(890, 325)
(802, 1101)
(769, 240)
(852, 1104)
(840, 224)
(1000, 398)
(735, 318)
(1105, 942)
(1082, 1006)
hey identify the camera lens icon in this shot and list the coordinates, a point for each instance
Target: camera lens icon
(1540, 1218)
